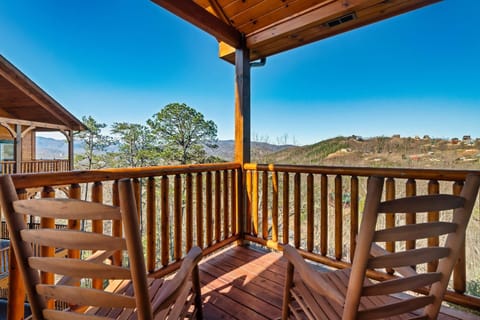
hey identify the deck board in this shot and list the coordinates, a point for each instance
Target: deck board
(245, 283)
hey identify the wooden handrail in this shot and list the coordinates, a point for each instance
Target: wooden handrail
(85, 176)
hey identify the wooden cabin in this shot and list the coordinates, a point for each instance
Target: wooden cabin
(25, 110)
(242, 214)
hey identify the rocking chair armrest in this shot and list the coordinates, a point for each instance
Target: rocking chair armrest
(317, 281)
(173, 287)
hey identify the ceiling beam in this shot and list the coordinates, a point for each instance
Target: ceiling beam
(196, 15)
(315, 16)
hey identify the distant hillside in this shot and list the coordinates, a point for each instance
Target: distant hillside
(342, 151)
(383, 152)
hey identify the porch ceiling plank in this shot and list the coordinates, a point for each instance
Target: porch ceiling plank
(22, 99)
(310, 25)
(198, 16)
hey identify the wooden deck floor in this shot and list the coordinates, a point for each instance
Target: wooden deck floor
(244, 283)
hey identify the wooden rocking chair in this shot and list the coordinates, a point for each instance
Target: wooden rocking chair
(128, 293)
(349, 294)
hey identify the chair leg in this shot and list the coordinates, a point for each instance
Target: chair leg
(197, 292)
(286, 293)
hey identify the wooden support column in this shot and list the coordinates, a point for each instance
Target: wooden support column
(70, 150)
(242, 106)
(18, 148)
(242, 128)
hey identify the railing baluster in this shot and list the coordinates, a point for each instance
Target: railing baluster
(233, 201)
(338, 218)
(460, 270)
(310, 213)
(410, 218)
(255, 203)
(275, 206)
(249, 208)
(209, 207)
(188, 212)
(164, 217)
(218, 207)
(286, 207)
(177, 218)
(390, 217)
(199, 209)
(323, 214)
(296, 210)
(433, 216)
(138, 198)
(97, 225)
(353, 215)
(16, 288)
(265, 205)
(47, 277)
(74, 193)
(226, 208)
(151, 225)
(117, 228)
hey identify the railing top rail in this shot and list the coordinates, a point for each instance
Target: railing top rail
(406, 173)
(31, 180)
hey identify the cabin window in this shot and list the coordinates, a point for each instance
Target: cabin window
(6, 150)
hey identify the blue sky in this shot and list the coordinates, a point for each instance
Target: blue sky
(123, 60)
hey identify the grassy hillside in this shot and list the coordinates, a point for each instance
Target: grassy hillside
(382, 152)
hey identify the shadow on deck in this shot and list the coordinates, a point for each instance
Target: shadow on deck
(246, 283)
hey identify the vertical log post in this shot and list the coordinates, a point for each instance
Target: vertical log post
(254, 204)
(249, 218)
(117, 227)
(226, 210)
(323, 214)
(275, 207)
(296, 210)
(16, 288)
(433, 216)
(209, 209)
(199, 208)
(242, 125)
(188, 212)
(460, 270)
(286, 207)
(233, 201)
(97, 225)
(338, 218)
(353, 215)
(390, 217)
(164, 218)
(151, 225)
(410, 218)
(48, 223)
(265, 205)
(177, 218)
(218, 207)
(310, 212)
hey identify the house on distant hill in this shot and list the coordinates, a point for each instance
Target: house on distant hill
(26, 109)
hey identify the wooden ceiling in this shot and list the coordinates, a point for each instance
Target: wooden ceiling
(267, 27)
(21, 99)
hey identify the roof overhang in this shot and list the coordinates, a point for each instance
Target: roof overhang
(21, 99)
(268, 27)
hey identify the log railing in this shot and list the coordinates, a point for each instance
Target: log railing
(181, 206)
(317, 210)
(35, 166)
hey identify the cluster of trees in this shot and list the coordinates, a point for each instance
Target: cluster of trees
(176, 134)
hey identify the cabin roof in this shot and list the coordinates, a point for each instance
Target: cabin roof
(268, 27)
(22, 100)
